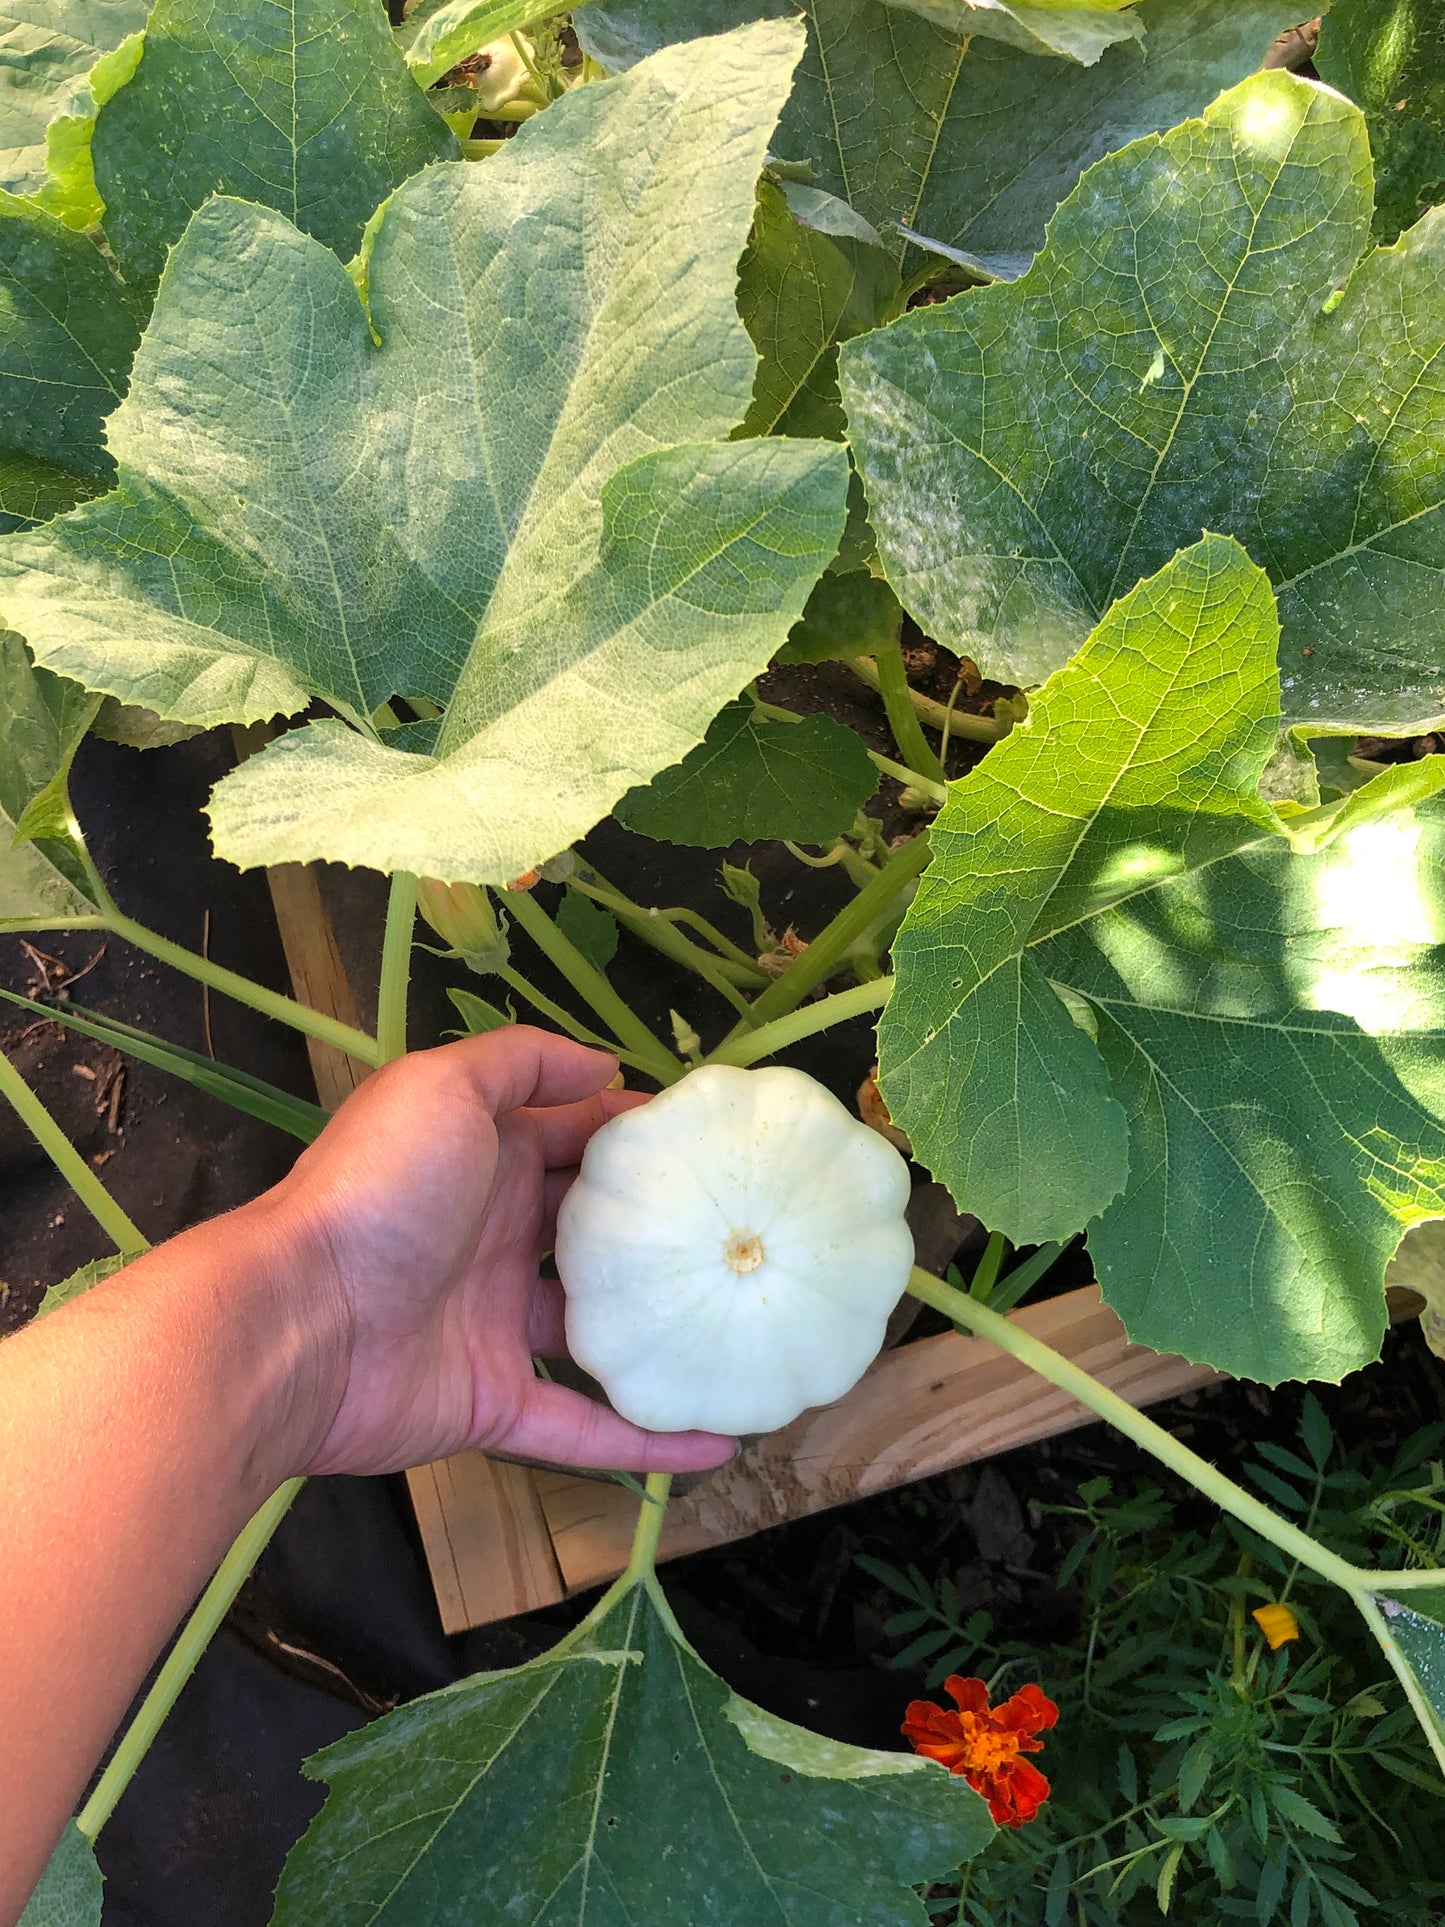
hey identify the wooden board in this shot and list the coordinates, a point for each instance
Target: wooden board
(928, 1406)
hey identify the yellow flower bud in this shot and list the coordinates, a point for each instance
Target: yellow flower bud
(1277, 1623)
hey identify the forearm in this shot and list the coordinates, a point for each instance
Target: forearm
(140, 1428)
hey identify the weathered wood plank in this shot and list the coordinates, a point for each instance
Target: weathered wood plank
(486, 1539)
(921, 1409)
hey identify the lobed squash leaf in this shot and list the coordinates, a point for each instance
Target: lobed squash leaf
(753, 778)
(68, 330)
(614, 1779)
(47, 48)
(305, 106)
(1200, 345)
(1125, 998)
(520, 505)
(967, 140)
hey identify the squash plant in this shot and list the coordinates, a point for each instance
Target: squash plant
(504, 463)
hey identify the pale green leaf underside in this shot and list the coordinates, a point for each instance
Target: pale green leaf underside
(974, 150)
(615, 1783)
(754, 779)
(1178, 359)
(67, 335)
(42, 719)
(1268, 1027)
(520, 505)
(302, 105)
(46, 49)
(69, 1894)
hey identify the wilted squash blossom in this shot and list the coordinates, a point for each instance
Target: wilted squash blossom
(731, 1251)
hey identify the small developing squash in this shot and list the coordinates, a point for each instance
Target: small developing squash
(731, 1251)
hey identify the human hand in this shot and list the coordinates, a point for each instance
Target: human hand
(417, 1220)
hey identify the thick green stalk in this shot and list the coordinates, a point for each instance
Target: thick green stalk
(1126, 1418)
(391, 1000)
(1365, 1586)
(978, 729)
(128, 1241)
(593, 987)
(183, 1658)
(1420, 1706)
(564, 1020)
(659, 930)
(740, 967)
(903, 720)
(313, 1023)
(828, 951)
(642, 1560)
(746, 1047)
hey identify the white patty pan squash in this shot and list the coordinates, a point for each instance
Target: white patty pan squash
(731, 1251)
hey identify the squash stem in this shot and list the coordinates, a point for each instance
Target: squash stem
(828, 951)
(746, 1047)
(642, 1561)
(312, 1023)
(128, 1241)
(593, 987)
(195, 1636)
(977, 729)
(391, 1001)
(1365, 1586)
(902, 716)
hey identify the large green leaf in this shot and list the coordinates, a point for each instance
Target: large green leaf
(69, 1894)
(756, 779)
(305, 106)
(972, 143)
(1140, 761)
(1125, 997)
(1180, 357)
(520, 504)
(42, 719)
(1389, 56)
(800, 293)
(67, 335)
(1076, 29)
(47, 47)
(616, 1780)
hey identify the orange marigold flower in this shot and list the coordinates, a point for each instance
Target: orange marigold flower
(985, 1743)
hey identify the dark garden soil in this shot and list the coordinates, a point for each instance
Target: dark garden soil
(339, 1621)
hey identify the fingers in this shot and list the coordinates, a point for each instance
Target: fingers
(566, 1128)
(561, 1425)
(521, 1067)
(547, 1320)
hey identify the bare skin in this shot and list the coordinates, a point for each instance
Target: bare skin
(378, 1309)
